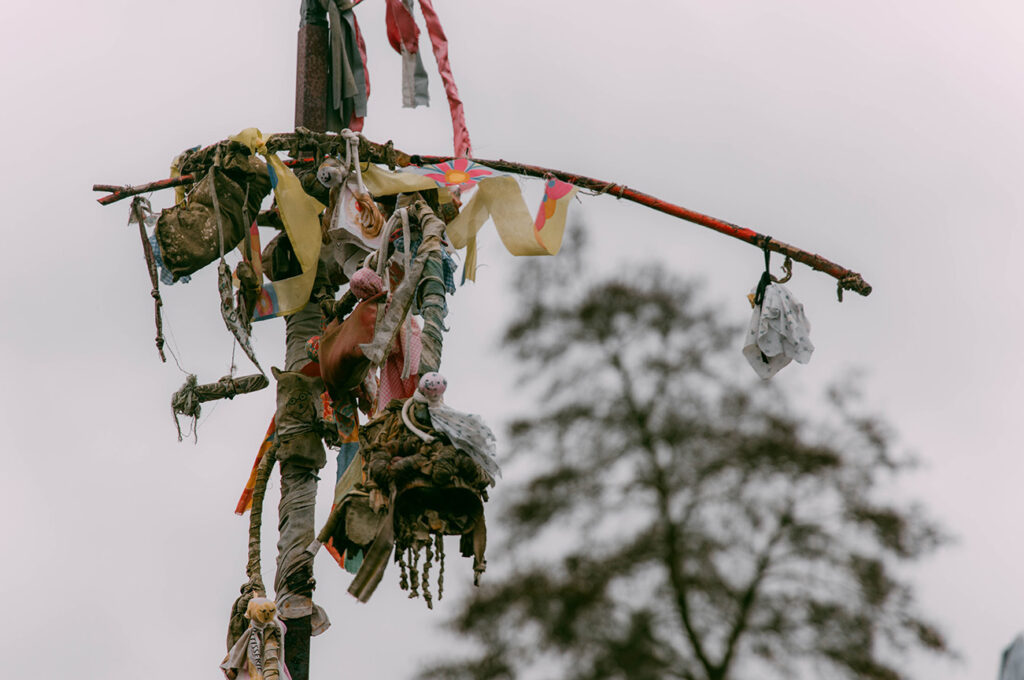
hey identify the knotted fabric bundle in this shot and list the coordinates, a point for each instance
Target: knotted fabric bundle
(778, 333)
(186, 401)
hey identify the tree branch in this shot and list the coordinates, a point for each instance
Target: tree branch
(673, 559)
(303, 142)
(847, 279)
(750, 594)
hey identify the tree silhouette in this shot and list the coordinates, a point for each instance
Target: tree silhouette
(681, 519)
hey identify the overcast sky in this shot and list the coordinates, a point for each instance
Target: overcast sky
(883, 135)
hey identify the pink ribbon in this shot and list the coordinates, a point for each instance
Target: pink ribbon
(439, 42)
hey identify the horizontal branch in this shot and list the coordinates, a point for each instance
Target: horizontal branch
(848, 280)
(303, 142)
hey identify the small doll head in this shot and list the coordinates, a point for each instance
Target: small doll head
(330, 173)
(365, 283)
(432, 386)
(260, 611)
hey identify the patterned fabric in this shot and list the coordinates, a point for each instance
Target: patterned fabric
(407, 351)
(347, 421)
(246, 658)
(300, 214)
(245, 502)
(500, 199)
(467, 431)
(460, 173)
(439, 42)
(448, 265)
(166, 277)
(778, 333)
(313, 348)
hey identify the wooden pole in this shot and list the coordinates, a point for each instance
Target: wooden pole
(311, 113)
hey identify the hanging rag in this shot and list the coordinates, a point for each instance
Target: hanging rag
(232, 313)
(467, 431)
(499, 199)
(439, 43)
(778, 333)
(142, 213)
(393, 317)
(348, 80)
(245, 501)
(404, 36)
(399, 374)
(300, 214)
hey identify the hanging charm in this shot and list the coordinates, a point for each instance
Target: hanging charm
(232, 315)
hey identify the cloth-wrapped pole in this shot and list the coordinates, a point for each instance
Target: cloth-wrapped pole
(389, 324)
(431, 295)
(254, 586)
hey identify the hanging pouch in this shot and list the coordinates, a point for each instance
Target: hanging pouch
(343, 364)
(187, 232)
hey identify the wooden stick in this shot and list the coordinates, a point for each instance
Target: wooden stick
(154, 277)
(128, 190)
(848, 280)
(386, 153)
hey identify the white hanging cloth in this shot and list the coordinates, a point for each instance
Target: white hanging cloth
(778, 333)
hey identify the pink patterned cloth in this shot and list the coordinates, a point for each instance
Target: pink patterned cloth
(391, 384)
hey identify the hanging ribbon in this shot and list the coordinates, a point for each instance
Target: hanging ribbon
(228, 311)
(404, 36)
(439, 42)
(300, 214)
(500, 199)
(348, 80)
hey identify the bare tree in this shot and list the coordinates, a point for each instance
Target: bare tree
(682, 520)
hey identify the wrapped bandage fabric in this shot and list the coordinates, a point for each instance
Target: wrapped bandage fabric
(778, 333)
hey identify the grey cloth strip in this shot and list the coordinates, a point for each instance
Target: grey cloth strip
(299, 328)
(415, 90)
(347, 75)
(356, 62)
(415, 84)
(401, 299)
(296, 512)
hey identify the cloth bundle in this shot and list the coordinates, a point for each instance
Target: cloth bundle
(188, 233)
(778, 333)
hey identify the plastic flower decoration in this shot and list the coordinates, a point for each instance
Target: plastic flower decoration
(458, 172)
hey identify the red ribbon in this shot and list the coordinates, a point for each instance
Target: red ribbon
(439, 42)
(402, 28)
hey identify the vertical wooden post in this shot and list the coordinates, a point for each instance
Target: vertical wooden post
(310, 112)
(311, 69)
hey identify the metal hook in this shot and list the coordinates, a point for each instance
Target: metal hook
(787, 267)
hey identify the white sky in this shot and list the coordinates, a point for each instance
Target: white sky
(882, 135)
